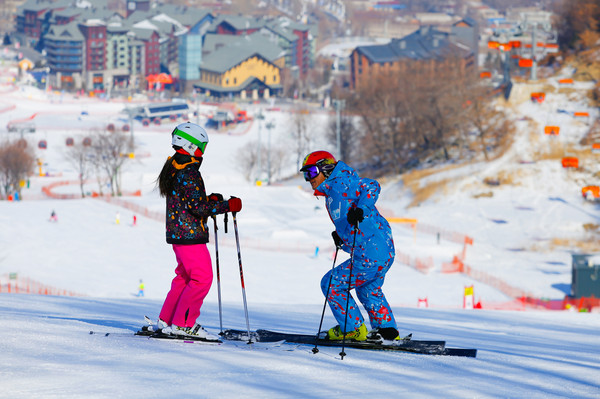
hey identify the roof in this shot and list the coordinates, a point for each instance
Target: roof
(242, 86)
(39, 5)
(466, 20)
(68, 32)
(227, 51)
(281, 27)
(239, 22)
(426, 43)
(184, 15)
(143, 33)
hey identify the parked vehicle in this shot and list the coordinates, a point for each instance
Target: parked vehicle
(22, 127)
(155, 112)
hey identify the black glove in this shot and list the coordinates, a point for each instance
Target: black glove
(355, 216)
(337, 240)
(215, 197)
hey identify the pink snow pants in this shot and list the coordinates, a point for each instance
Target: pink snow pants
(189, 287)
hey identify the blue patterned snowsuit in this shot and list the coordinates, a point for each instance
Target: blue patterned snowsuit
(373, 253)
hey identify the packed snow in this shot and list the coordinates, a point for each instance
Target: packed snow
(47, 350)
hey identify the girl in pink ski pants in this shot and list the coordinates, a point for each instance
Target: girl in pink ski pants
(189, 287)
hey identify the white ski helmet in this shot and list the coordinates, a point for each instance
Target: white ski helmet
(191, 137)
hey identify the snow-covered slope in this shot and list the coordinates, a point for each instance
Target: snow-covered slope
(47, 351)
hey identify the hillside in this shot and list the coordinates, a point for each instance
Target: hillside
(523, 232)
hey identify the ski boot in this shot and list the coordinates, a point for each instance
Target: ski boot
(195, 332)
(380, 334)
(335, 334)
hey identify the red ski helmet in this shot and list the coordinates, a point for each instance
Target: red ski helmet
(318, 162)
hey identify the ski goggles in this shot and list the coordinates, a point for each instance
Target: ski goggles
(310, 172)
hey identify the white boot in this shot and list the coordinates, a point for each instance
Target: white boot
(163, 327)
(196, 332)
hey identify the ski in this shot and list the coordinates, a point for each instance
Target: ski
(146, 331)
(149, 335)
(157, 335)
(185, 338)
(405, 345)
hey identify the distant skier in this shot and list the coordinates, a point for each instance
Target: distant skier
(53, 216)
(141, 288)
(350, 201)
(118, 218)
(188, 209)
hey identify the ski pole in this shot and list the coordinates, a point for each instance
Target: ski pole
(315, 349)
(218, 274)
(343, 353)
(237, 242)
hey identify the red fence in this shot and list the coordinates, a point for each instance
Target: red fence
(18, 285)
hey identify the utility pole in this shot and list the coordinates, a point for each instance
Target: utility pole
(260, 118)
(270, 125)
(533, 47)
(339, 105)
(131, 142)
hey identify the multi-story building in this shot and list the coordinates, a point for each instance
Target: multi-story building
(32, 18)
(94, 65)
(244, 67)
(190, 50)
(427, 48)
(90, 47)
(145, 52)
(65, 48)
(137, 5)
(117, 55)
(296, 39)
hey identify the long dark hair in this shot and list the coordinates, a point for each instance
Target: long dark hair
(166, 178)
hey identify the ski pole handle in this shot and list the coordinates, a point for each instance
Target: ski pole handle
(226, 222)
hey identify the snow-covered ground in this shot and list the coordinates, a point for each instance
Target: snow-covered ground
(47, 351)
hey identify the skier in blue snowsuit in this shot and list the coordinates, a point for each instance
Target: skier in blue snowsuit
(350, 201)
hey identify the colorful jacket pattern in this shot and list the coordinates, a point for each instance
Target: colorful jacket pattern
(188, 207)
(345, 189)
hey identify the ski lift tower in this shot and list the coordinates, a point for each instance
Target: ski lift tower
(540, 30)
(504, 46)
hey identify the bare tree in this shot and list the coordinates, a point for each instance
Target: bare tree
(302, 135)
(383, 113)
(412, 116)
(279, 158)
(16, 163)
(81, 158)
(349, 136)
(578, 22)
(111, 151)
(246, 159)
